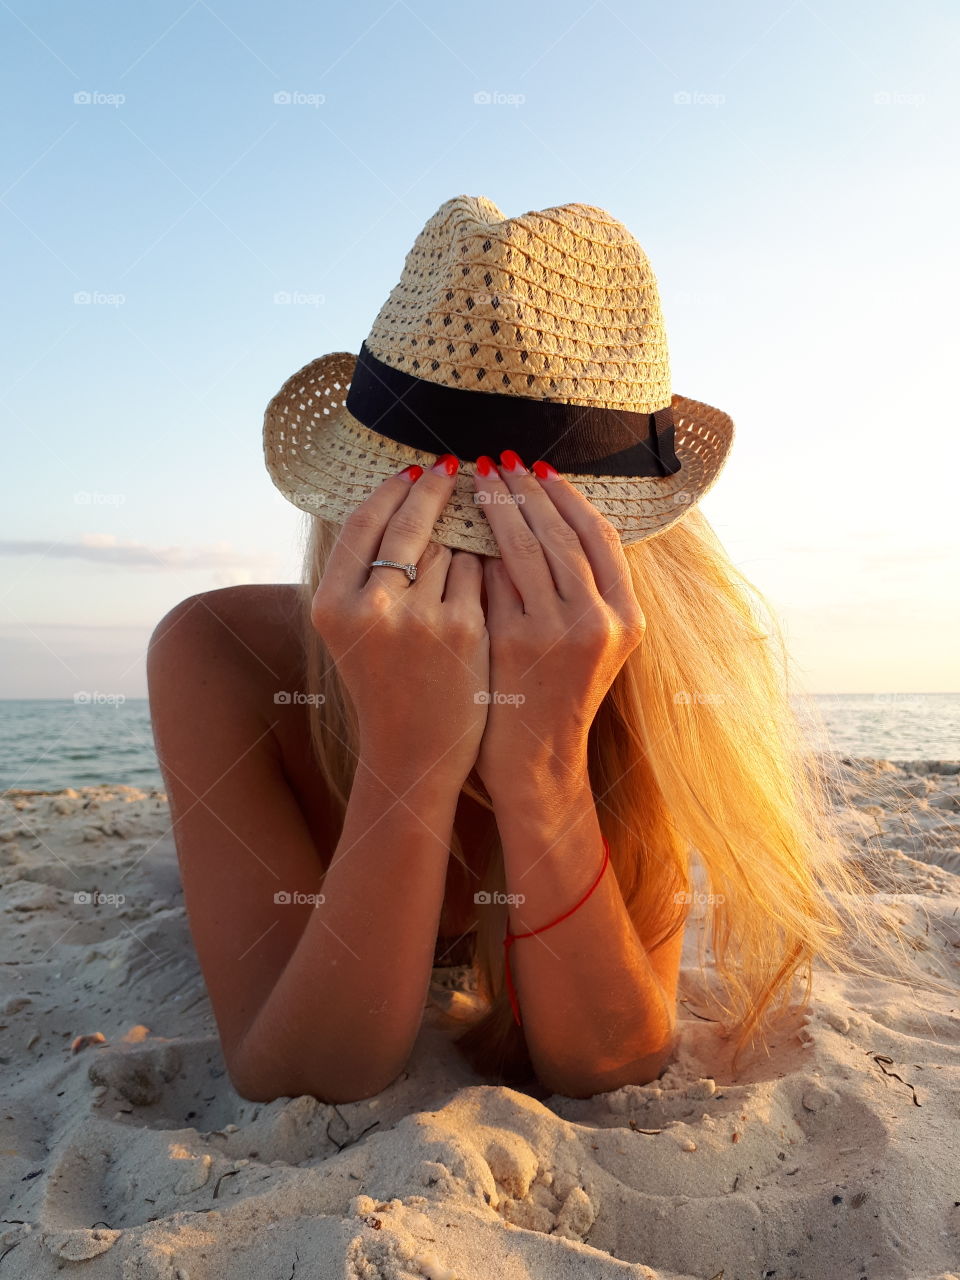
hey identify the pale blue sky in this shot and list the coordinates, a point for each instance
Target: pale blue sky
(799, 212)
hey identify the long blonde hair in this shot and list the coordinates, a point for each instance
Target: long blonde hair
(696, 749)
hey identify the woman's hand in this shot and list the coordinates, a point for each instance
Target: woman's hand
(562, 617)
(413, 655)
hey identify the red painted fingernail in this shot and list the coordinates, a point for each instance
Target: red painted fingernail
(446, 464)
(486, 465)
(544, 471)
(512, 462)
(413, 472)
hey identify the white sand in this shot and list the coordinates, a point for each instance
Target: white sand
(134, 1157)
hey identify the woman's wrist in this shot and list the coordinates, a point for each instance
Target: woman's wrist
(409, 777)
(540, 780)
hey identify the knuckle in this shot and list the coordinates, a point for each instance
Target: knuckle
(635, 622)
(593, 632)
(465, 624)
(375, 603)
(522, 541)
(564, 533)
(434, 560)
(406, 522)
(363, 519)
(421, 622)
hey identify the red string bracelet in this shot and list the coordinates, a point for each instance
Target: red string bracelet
(512, 937)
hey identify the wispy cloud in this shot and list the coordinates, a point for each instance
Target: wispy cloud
(104, 548)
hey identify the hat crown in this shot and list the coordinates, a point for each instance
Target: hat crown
(556, 315)
(558, 304)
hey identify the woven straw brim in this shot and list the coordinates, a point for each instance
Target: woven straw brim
(326, 462)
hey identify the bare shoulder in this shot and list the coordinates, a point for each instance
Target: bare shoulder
(215, 663)
(254, 626)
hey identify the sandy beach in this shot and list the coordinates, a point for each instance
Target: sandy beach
(126, 1152)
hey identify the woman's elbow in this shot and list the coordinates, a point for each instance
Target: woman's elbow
(580, 1081)
(268, 1082)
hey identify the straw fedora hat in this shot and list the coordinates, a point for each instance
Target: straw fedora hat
(541, 333)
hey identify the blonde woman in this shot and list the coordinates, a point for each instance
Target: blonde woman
(507, 706)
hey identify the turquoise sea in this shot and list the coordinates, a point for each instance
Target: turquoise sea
(47, 745)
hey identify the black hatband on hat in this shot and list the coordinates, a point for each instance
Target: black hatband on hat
(579, 439)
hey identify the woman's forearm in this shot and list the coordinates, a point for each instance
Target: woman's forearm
(343, 1015)
(590, 972)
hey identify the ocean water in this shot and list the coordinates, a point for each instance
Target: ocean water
(48, 745)
(886, 726)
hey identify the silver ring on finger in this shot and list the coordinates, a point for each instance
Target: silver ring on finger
(409, 569)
